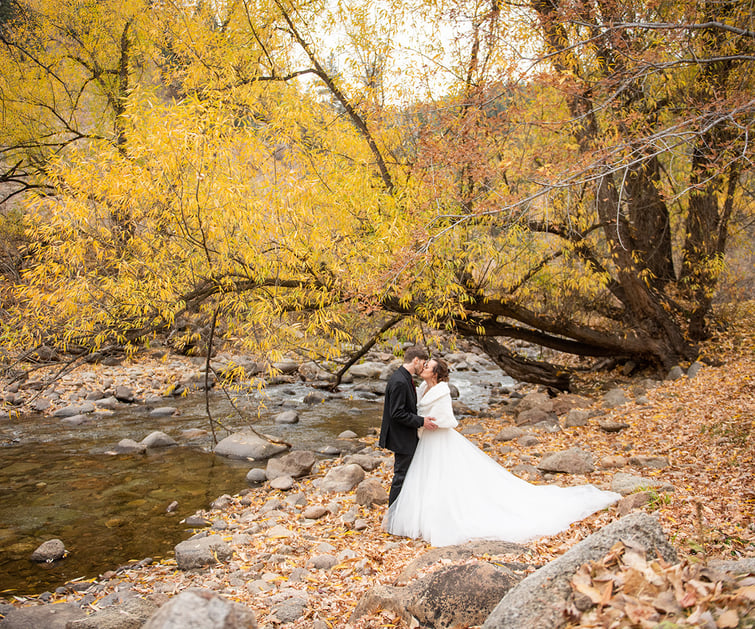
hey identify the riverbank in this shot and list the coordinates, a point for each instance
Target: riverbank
(701, 425)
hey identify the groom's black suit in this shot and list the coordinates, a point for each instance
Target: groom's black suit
(398, 431)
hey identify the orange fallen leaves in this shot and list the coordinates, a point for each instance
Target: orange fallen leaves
(626, 589)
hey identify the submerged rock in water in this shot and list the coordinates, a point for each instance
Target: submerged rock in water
(248, 445)
(49, 551)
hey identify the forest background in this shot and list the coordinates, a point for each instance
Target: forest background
(309, 176)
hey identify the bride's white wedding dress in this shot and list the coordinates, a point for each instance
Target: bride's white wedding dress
(454, 492)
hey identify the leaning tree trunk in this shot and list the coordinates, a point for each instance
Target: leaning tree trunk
(524, 369)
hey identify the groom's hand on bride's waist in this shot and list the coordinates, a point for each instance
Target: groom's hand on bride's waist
(429, 423)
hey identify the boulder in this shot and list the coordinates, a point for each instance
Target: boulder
(158, 439)
(287, 417)
(348, 434)
(459, 553)
(199, 608)
(365, 461)
(528, 441)
(202, 551)
(614, 398)
(576, 417)
(49, 551)
(315, 397)
(612, 461)
(371, 492)
(571, 461)
(533, 416)
(633, 501)
(283, 483)
(509, 433)
(322, 562)
(314, 512)
(74, 409)
(734, 566)
(612, 425)
(536, 399)
(540, 599)
(654, 461)
(626, 484)
(295, 464)
(256, 476)
(131, 614)
(248, 445)
(163, 411)
(123, 394)
(43, 616)
(371, 370)
(566, 402)
(290, 609)
(342, 478)
(108, 403)
(675, 373)
(452, 596)
(694, 369)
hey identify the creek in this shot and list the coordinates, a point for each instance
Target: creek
(63, 481)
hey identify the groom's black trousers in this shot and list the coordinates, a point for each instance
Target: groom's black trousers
(401, 464)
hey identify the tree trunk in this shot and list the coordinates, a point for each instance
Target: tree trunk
(524, 369)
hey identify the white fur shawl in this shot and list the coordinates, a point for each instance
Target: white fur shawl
(436, 403)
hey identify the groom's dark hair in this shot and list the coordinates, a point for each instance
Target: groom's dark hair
(415, 351)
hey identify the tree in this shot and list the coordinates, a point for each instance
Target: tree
(578, 250)
(548, 202)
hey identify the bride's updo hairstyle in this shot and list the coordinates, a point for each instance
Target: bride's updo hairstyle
(440, 370)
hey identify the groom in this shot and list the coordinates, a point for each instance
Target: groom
(400, 420)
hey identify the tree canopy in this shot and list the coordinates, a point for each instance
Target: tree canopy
(558, 172)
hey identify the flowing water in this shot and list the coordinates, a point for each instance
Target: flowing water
(63, 481)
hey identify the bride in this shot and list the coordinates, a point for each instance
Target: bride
(454, 492)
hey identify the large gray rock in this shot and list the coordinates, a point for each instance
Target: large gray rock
(576, 417)
(571, 461)
(202, 551)
(294, 464)
(456, 554)
(649, 460)
(509, 433)
(533, 416)
(614, 398)
(734, 566)
(51, 550)
(370, 370)
(197, 608)
(626, 484)
(131, 614)
(453, 596)
(365, 461)
(42, 616)
(535, 400)
(290, 609)
(342, 478)
(158, 439)
(371, 492)
(74, 409)
(540, 599)
(287, 417)
(248, 445)
(566, 402)
(126, 446)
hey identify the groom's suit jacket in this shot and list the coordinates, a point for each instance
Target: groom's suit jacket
(398, 431)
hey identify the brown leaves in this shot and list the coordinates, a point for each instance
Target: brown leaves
(627, 590)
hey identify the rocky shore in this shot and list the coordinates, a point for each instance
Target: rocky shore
(302, 544)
